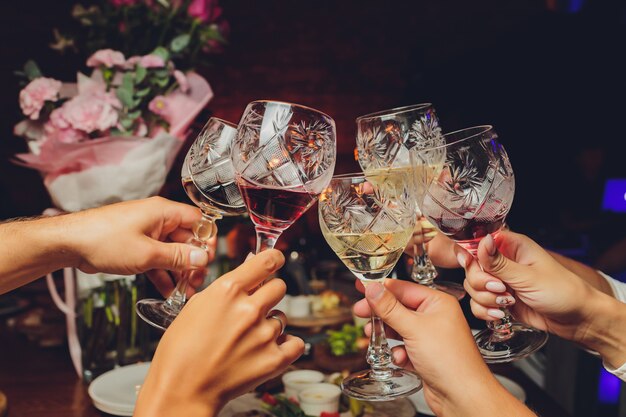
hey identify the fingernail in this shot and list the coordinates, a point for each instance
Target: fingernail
(426, 224)
(461, 259)
(495, 313)
(490, 245)
(198, 258)
(505, 300)
(495, 286)
(430, 235)
(374, 290)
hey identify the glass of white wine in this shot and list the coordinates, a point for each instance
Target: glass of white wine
(368, 220)
(208, 178)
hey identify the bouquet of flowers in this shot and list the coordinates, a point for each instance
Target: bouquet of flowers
(113, 134)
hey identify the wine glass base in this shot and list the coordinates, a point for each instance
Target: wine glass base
(523, 342)
(364, 386)
(452, 288)
(154, 312)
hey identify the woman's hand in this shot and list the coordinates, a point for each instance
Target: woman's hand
(222, 344)
(517, 273)
(439, 346)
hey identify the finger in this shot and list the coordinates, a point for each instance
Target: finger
(362, 309)
(494, 263)
(400, 357)
(292, 348)
(212, 248)
(389, 308)
(475, 277)
(177, 215)
(359, 286)
(181, 236)
(484, 313)
(489, 299)
(173, 256)
(196, 278)
(269, 294)
(257, 269)
(410, 294)
(161, 280)
(278, 320)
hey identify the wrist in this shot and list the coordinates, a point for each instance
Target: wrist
(58, 233)
(486, 397)
(603, 329)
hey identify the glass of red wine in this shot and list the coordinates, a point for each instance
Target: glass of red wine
(383, 142)
(208, 178)
(284, 156)
(466, 188)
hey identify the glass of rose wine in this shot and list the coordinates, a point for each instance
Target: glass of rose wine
(284, 156)
(468, 197)
(368, 220)
(208, 178)
(383, 142)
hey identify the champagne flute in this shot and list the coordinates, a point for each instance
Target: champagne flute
(284, 156)
(383, 142)
(208, 178)
(368, 220)
(468, 197)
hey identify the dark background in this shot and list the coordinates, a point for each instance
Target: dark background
(548, 75)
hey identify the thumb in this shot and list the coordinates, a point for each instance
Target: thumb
(388, 308)
(495, 263)
(177, 256)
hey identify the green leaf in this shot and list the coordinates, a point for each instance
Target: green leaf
(126, 97)
(127, 123)
(32, 70)
(134, 115)
(162, 52)
(162, 73)
(162, 82)
(128, 82)
(180, 42)
(142, 93)
(140, 74)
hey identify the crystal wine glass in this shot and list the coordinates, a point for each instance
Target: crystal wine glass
(284, 156)
(468, 197)
(208, 178)
(383, 142)
(368, 220)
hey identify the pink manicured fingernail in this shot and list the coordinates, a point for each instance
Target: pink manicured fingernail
(374, 290)
(495, 286)
(198, 258)
(495, 313)
(505, 300)
(490, 244)
(461, 259)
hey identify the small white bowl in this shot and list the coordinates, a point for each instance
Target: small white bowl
(296, 381)
(318, 398)
(299, 306)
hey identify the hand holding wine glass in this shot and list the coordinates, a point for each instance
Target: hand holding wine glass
(367, 221)
(467, 199)
(284, 156)
(209, 180)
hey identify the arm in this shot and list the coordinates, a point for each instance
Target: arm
(124, 238)
(589, 275)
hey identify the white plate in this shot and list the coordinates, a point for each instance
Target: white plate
(115, 392)
(513, 387)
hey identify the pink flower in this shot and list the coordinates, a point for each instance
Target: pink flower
(204, 10)
(58, 129)
(120, 3)
(158, 106)
(90, 112)
(181, 79)
(36, 93)
(107, 57)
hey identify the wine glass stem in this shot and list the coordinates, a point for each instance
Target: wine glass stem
(265, 238)
(501, 329)
(204, 230)
(378, 352)
(423, 271)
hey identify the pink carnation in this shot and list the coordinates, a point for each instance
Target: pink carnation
(36, 93)
(146, 61)
(107, 57)
(58, 129)
(92, 112)
(182, 81)
(158, 106)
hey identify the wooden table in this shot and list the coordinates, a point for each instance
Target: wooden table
(42, 382)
